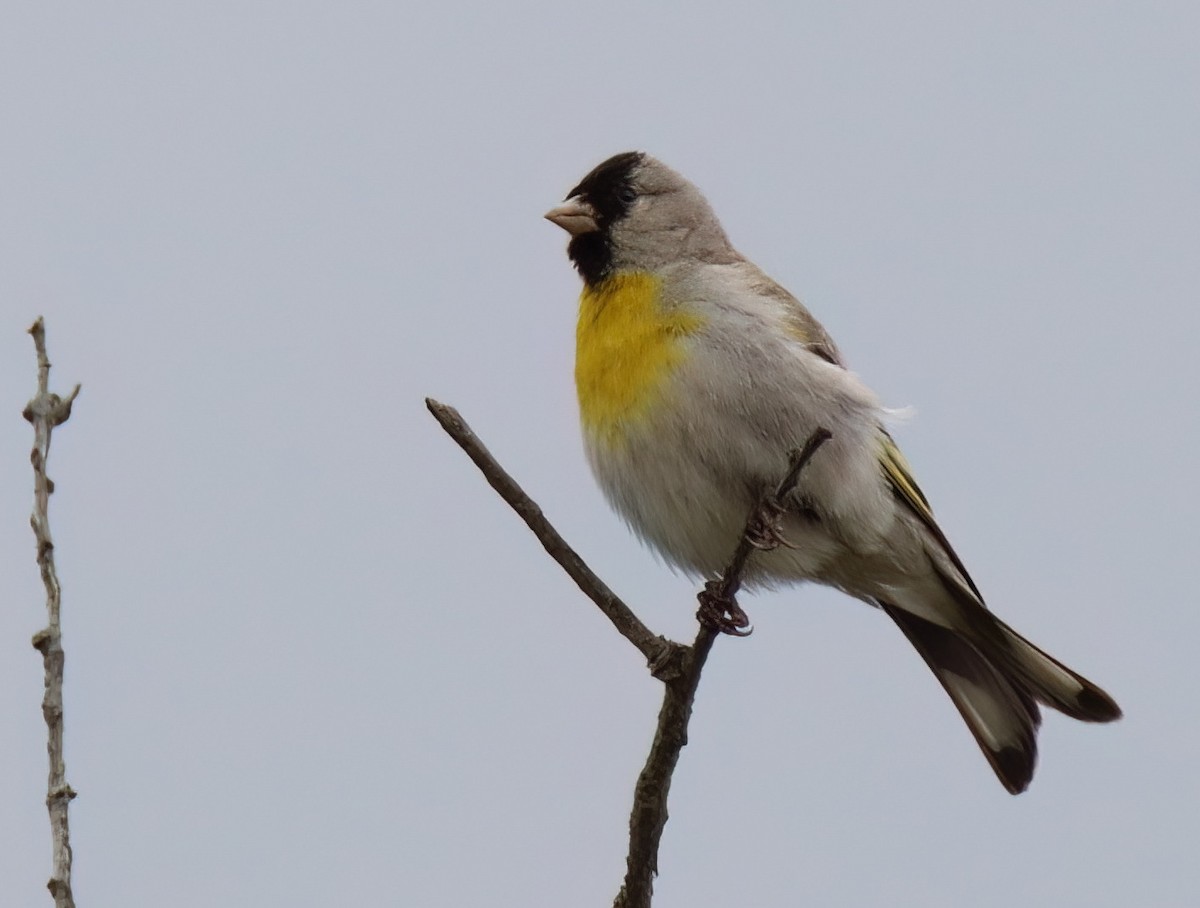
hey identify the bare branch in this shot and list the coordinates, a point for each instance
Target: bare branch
(45, 411)
(657, 650)
(649, 815)
(677, 666)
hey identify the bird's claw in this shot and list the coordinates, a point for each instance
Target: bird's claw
(721, 612)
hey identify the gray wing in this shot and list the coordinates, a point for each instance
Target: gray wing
(800, 321)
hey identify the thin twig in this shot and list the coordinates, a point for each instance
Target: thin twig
(676, 665)
(731, 577)
(656, 649)
(45, 411)
(649, 815)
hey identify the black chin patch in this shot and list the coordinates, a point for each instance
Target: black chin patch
(610, 191)
(591, 254)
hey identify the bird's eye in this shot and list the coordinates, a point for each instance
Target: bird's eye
(627, 195)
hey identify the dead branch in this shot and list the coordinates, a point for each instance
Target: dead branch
(649, 815)
(676, 665)
(45, 411)
(653, 647)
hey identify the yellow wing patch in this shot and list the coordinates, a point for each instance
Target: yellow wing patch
(899, 474)
(626, 345)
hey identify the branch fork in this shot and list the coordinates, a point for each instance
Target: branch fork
(676, 665)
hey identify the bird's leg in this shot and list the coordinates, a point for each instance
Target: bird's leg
(718, 607)
(720, 611)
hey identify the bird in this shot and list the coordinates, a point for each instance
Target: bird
(697, 375)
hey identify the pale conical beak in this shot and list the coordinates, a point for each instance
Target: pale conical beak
(574, 216)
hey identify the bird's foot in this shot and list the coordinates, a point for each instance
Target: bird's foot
(764, 530)
(721, 612)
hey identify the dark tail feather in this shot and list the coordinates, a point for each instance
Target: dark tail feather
(1001, 714)
(1034, 671)
(1053, 683)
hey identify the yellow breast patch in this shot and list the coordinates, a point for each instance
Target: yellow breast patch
(626, 345)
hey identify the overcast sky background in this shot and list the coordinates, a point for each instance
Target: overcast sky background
(313, 660)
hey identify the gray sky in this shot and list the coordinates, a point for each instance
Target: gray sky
(313, 660)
